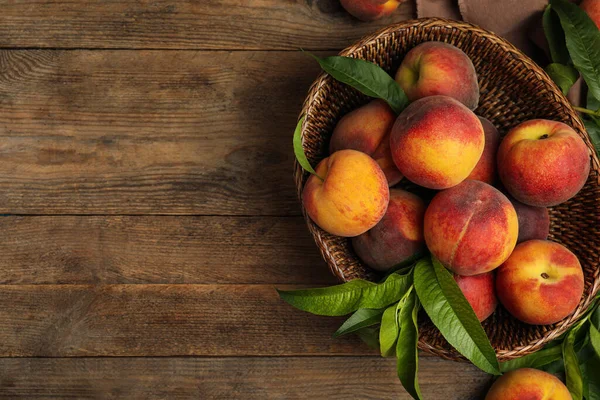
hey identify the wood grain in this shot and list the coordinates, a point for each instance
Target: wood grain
(187, 24)
(196, 134)
(149, 132)
(162, 320)
(159, 249)
(232, 378)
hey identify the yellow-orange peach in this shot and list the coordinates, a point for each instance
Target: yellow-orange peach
(480, 292)
(367, 129)
(352, 197)
(543, 163)
(397, 237)
(471, 228)
(436, 142)
(592, 8)
(370, 10)
(534, 222)
(540, 283)
(485, 170)
(529, 384)
(436, 68)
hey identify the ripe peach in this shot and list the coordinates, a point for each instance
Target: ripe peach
(543, 163)
(485, 170)
(397, 237)
(480, 292)
(352, 197)
(530, 384)
(436, 142)
(370, 10)
(367, 129)
(534, 222)
(436, 68)
(540, 283)
(471, 228)
(592, 8)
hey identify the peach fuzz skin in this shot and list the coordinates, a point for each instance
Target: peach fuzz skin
(471, 228)
(370, 10)
(530, 384)
(397, 237)
(480, 292)
(534, 222)
(485, 170)
(352, 197)
(436, 68)
(436, 142)
(367, 129)
(592, 8)
(541, 283)
(543, 163)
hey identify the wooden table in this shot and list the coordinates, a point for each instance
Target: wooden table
(148, 207)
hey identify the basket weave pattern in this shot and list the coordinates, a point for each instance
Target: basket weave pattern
(513, 89)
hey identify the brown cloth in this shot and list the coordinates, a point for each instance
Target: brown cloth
(511, 19)
(518, 21)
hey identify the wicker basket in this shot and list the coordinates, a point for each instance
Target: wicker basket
(513, 89)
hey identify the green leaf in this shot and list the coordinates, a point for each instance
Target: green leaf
(366, 77)
(406, 347)
(536, 360)
(583, 42)
(362, 318)
(595, 316)
(585, 352)
(591, 379)
(582, 348)
(299, 150)
(369, 335)
(592, 102)
(451, 313)
(349, 297)
(564, 76)
(555, 367)
(595, 339)
(406, 265)
(388, 333)
(593, 130)
(572, 371)
(556, 37)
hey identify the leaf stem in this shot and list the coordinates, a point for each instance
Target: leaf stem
(587, 111)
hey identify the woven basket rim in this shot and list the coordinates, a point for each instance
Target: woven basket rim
(429, 23)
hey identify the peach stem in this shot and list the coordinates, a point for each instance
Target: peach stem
(587, 111)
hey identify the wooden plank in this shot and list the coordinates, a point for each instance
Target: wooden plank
(149, 132)
(161, 320)
(159, 249)
(233, 378)
(187, 24)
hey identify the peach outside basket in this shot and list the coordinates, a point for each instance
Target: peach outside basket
(513, 89)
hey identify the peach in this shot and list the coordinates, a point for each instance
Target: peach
(471, 228)
(541, 282)
(592, 8)
(480, 292)
(543, 163)
(534, 222)
(352, 197)
(367, 129)
(485, 170)
(370, 10)
(436, 142)
(530, 384)
(397, 237)
(436, 68)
